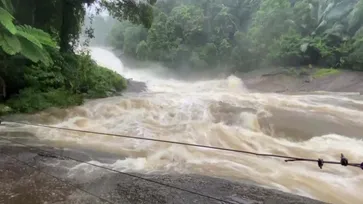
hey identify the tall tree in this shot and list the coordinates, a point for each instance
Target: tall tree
(64, 18)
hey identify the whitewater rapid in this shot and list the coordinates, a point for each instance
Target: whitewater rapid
(223, 113)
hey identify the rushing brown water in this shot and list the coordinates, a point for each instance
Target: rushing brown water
(225, 114)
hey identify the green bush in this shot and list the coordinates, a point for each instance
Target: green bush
(43, 77)
(286, 50)
(102, 82)
(78, 73)
(353, 57)
(64, 83)
(95, 81)
(31, 100)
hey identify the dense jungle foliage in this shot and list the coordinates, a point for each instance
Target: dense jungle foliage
(247, 34)
(40, 62)
(41, 65)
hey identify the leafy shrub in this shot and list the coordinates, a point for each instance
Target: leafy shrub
(102, 82)
(65, 83)
(44, 77)
(286, 50)
(31, 99)
(353, 57)
(96, 81)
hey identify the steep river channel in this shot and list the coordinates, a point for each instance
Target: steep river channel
(223, 113)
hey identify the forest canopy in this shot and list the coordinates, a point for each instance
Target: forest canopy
(247, 34)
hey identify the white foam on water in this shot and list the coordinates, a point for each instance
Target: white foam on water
(211, 112)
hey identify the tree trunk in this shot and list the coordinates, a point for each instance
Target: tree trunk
(65, 26)
(3, 87)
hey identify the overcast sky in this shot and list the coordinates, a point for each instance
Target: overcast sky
(92, 9)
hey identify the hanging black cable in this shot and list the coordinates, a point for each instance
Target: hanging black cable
(59, 179)
(124, 173)
(319, 161)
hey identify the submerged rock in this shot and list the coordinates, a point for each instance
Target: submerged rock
(135, 86)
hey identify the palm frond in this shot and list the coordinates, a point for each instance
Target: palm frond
(34, 52)
(6, 19)
(9, 43)
(356, 17)
(7, 5)
(27, 36)
(39, 35)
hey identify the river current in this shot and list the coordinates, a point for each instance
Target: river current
(219, 112)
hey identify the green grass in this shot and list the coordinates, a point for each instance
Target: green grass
(297, 72)
(325, 72)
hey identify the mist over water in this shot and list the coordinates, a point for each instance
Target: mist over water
(223, 113)
(107, 60)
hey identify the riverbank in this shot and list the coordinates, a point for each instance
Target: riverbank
(273, 79)
(131, 86)
(281, 80)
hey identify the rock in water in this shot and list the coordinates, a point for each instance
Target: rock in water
(135, 86)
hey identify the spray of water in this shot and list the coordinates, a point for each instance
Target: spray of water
(98, 54)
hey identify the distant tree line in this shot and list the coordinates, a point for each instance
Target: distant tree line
(247, 34)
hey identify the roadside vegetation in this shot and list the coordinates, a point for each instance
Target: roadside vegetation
(39, 64)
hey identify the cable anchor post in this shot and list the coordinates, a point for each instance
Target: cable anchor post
(320, 163)
(343, 160)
